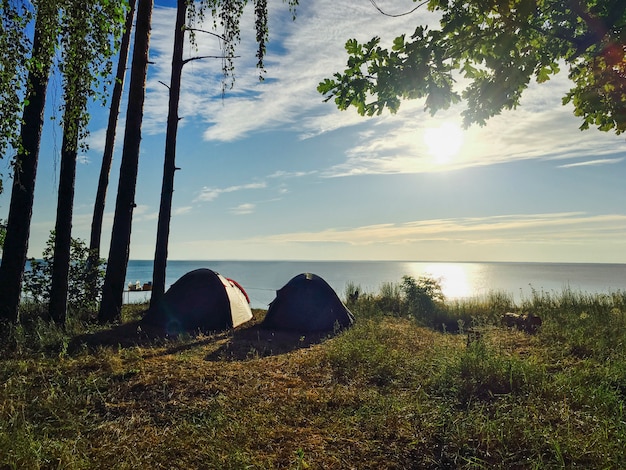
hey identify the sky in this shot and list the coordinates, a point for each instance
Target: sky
(270, 171)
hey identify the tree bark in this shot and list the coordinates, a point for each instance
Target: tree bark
(107, 157)
(63, 228)
(113, 289)
(169, 166)
(25, 173)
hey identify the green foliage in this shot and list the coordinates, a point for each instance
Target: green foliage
(14, 47)
(89, 39)
(422, 296)
(497, 47)
(421, 300)
(85, 280)
(85, 33)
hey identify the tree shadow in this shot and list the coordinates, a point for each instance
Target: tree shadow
(248, 341)
(127, 335)
(255, 341)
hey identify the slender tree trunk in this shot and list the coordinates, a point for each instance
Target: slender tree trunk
(63, 229)
(113, 289)
(107, 157)
(169, 166)
(25, 173)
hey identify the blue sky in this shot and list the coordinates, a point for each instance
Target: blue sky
(272, 172)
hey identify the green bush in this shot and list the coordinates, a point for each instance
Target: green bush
(422, 296)
(85, 278)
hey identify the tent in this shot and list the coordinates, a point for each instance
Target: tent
(306, 304)
(200, 300)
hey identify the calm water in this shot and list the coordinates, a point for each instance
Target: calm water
(261, 279)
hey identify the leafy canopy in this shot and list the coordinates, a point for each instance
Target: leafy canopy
(85, 33)
(89, 39)
(14, 46)
(498, 46)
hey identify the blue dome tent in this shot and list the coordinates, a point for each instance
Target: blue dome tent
(307, 304)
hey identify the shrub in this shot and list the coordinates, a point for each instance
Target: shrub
(390, 299)
(85, 278)
(422, 295)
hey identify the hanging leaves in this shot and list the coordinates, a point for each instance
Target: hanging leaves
(89, 39)
(226, 16)
(14, 46)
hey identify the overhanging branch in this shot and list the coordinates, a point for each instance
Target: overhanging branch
(209, 57)
(197, 30)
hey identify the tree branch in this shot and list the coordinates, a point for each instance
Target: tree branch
(399, 14)
(209, 57)
(207, 32)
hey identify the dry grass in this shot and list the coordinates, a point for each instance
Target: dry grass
(384, 394)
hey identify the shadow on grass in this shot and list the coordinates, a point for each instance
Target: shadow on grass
(248, 341)
(255, 341)
(127, 335)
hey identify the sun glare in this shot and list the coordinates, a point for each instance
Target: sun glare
(453, 277)
(443, 142)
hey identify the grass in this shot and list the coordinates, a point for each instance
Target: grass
(389, 392)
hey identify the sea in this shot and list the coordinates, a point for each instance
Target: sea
(261, 279)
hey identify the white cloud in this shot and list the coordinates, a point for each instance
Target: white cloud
(291, 174)
(182, 210)
(539, 228)
(243, 209)
(143, 212)
(311, 49)
(601, 161)
(209, 194)
(518, 237)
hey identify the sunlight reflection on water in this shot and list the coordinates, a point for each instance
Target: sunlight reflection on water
(454, 279)
(458, 280)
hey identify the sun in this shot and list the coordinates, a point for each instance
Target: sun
(443, 142)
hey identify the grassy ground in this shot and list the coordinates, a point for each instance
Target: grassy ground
(387, 393)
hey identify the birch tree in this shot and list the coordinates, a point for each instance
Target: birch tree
(89, 39)
(27, 145)
(229, 15)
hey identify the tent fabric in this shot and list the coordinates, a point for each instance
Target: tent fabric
(307, 304)
(200, 300)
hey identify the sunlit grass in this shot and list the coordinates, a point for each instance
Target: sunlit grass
(397, 390)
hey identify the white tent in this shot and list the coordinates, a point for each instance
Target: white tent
(201, 300)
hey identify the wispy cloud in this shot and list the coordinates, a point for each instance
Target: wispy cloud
(182, 210)
(304, 52)
(291, 174)
(144, 212)
(243, 209)
(207, 194)
(601, 161)
(553, 227)
(517, 237)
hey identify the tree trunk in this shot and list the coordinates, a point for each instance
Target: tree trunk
(107, 157)
(63, 229)
(25, 173)
(113, 289)
(169, 166)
